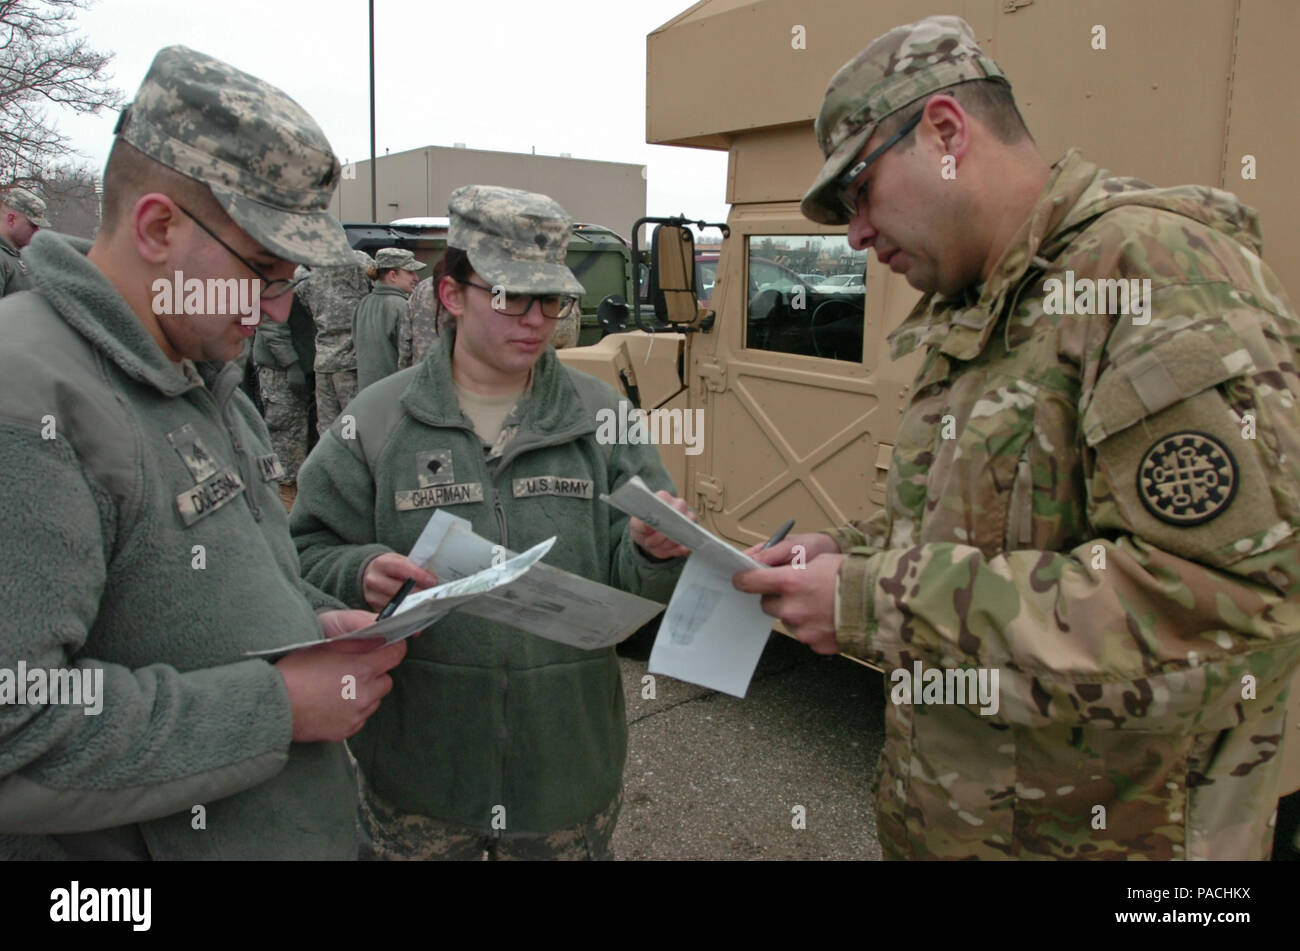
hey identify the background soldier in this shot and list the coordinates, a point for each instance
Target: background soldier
(376, 323)
(22, 214)
(418, 328)
(1102, 508)
(285, 354)
(331, 295)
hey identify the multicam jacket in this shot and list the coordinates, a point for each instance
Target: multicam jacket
(1103, 510)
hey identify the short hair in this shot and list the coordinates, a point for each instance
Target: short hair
(129, 173)
(988, 100)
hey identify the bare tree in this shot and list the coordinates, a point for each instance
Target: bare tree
(71, 199)
(42, 62)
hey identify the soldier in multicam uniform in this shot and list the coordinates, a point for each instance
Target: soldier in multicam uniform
(1101, 507)
(22, 214)
(331, 294)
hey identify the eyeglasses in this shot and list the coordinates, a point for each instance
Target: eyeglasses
(271, 289)
(516, 305)
(848, 198)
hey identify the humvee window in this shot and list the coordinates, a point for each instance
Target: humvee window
(806, 294)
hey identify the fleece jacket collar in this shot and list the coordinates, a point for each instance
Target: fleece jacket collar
(553, 407)
(90, 303)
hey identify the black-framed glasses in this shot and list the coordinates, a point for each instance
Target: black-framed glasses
(849, 199)
(553, 306)
(271, 289)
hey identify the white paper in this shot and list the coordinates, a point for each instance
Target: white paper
(711, 634)
(422, 608)
(547, 601)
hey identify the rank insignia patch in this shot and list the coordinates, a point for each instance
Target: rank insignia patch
(434, 468)
(193, 453)
(1187, 478)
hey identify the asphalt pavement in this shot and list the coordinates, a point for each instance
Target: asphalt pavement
(783, 774)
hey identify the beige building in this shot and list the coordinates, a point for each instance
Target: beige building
(417, 184)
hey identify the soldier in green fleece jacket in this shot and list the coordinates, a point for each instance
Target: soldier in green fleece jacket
(145, 550)
(494, 741)
(375, 324)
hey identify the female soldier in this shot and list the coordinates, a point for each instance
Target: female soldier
(493, 741)
(374, 326)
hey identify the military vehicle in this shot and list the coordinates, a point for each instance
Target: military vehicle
(800, 418)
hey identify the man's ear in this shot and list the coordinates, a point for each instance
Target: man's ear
(949, 123)
(154, 221)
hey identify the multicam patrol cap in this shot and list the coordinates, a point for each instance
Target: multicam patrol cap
(397, 259)
(264, 158)
(896, 69)
(28, 203)
(514, 239)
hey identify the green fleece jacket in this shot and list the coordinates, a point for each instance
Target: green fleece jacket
(143, 537)
(482, 715)
(374, 333)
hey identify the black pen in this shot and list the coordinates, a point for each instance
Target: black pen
(781, 532)
(398, 598)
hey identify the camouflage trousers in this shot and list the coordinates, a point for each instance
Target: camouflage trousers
(334, 391)
(287, 410)
(390, 835)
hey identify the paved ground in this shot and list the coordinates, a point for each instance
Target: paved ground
(712, 777)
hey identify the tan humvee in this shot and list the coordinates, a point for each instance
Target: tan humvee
(801, 408)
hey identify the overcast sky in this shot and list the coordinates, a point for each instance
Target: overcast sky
(509, 75)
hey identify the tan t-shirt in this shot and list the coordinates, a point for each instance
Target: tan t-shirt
(487, 413)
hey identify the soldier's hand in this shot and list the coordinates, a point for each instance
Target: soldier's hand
(814, 544)
(333, 688)
(803, 599)
(657, 544)
(385, 574)
(338, 623)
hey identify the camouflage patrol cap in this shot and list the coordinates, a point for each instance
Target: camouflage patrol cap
(514, 239)
(396, 259)
(29, 204)
(896, 69)
(265, 159)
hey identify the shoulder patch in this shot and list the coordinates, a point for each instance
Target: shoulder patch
(1187, 478)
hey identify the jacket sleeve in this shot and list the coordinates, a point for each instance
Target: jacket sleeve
(333, 519)
(1151, 624)
(631, 569)
(152, 741)
(278, 340)
(405, 331)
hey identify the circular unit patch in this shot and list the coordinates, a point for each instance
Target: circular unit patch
(1187, 478)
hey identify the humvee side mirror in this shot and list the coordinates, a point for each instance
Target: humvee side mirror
(672, 275)
(613, 314)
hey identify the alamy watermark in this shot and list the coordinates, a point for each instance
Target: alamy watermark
(636, 427)
(946, 685)
(1128, 297)
(208, 297)
(60, 686)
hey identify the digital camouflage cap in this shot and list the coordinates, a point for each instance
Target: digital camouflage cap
(397, 259)
(896, 69)
(27, 203)
(514, 239)
(265, 159)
